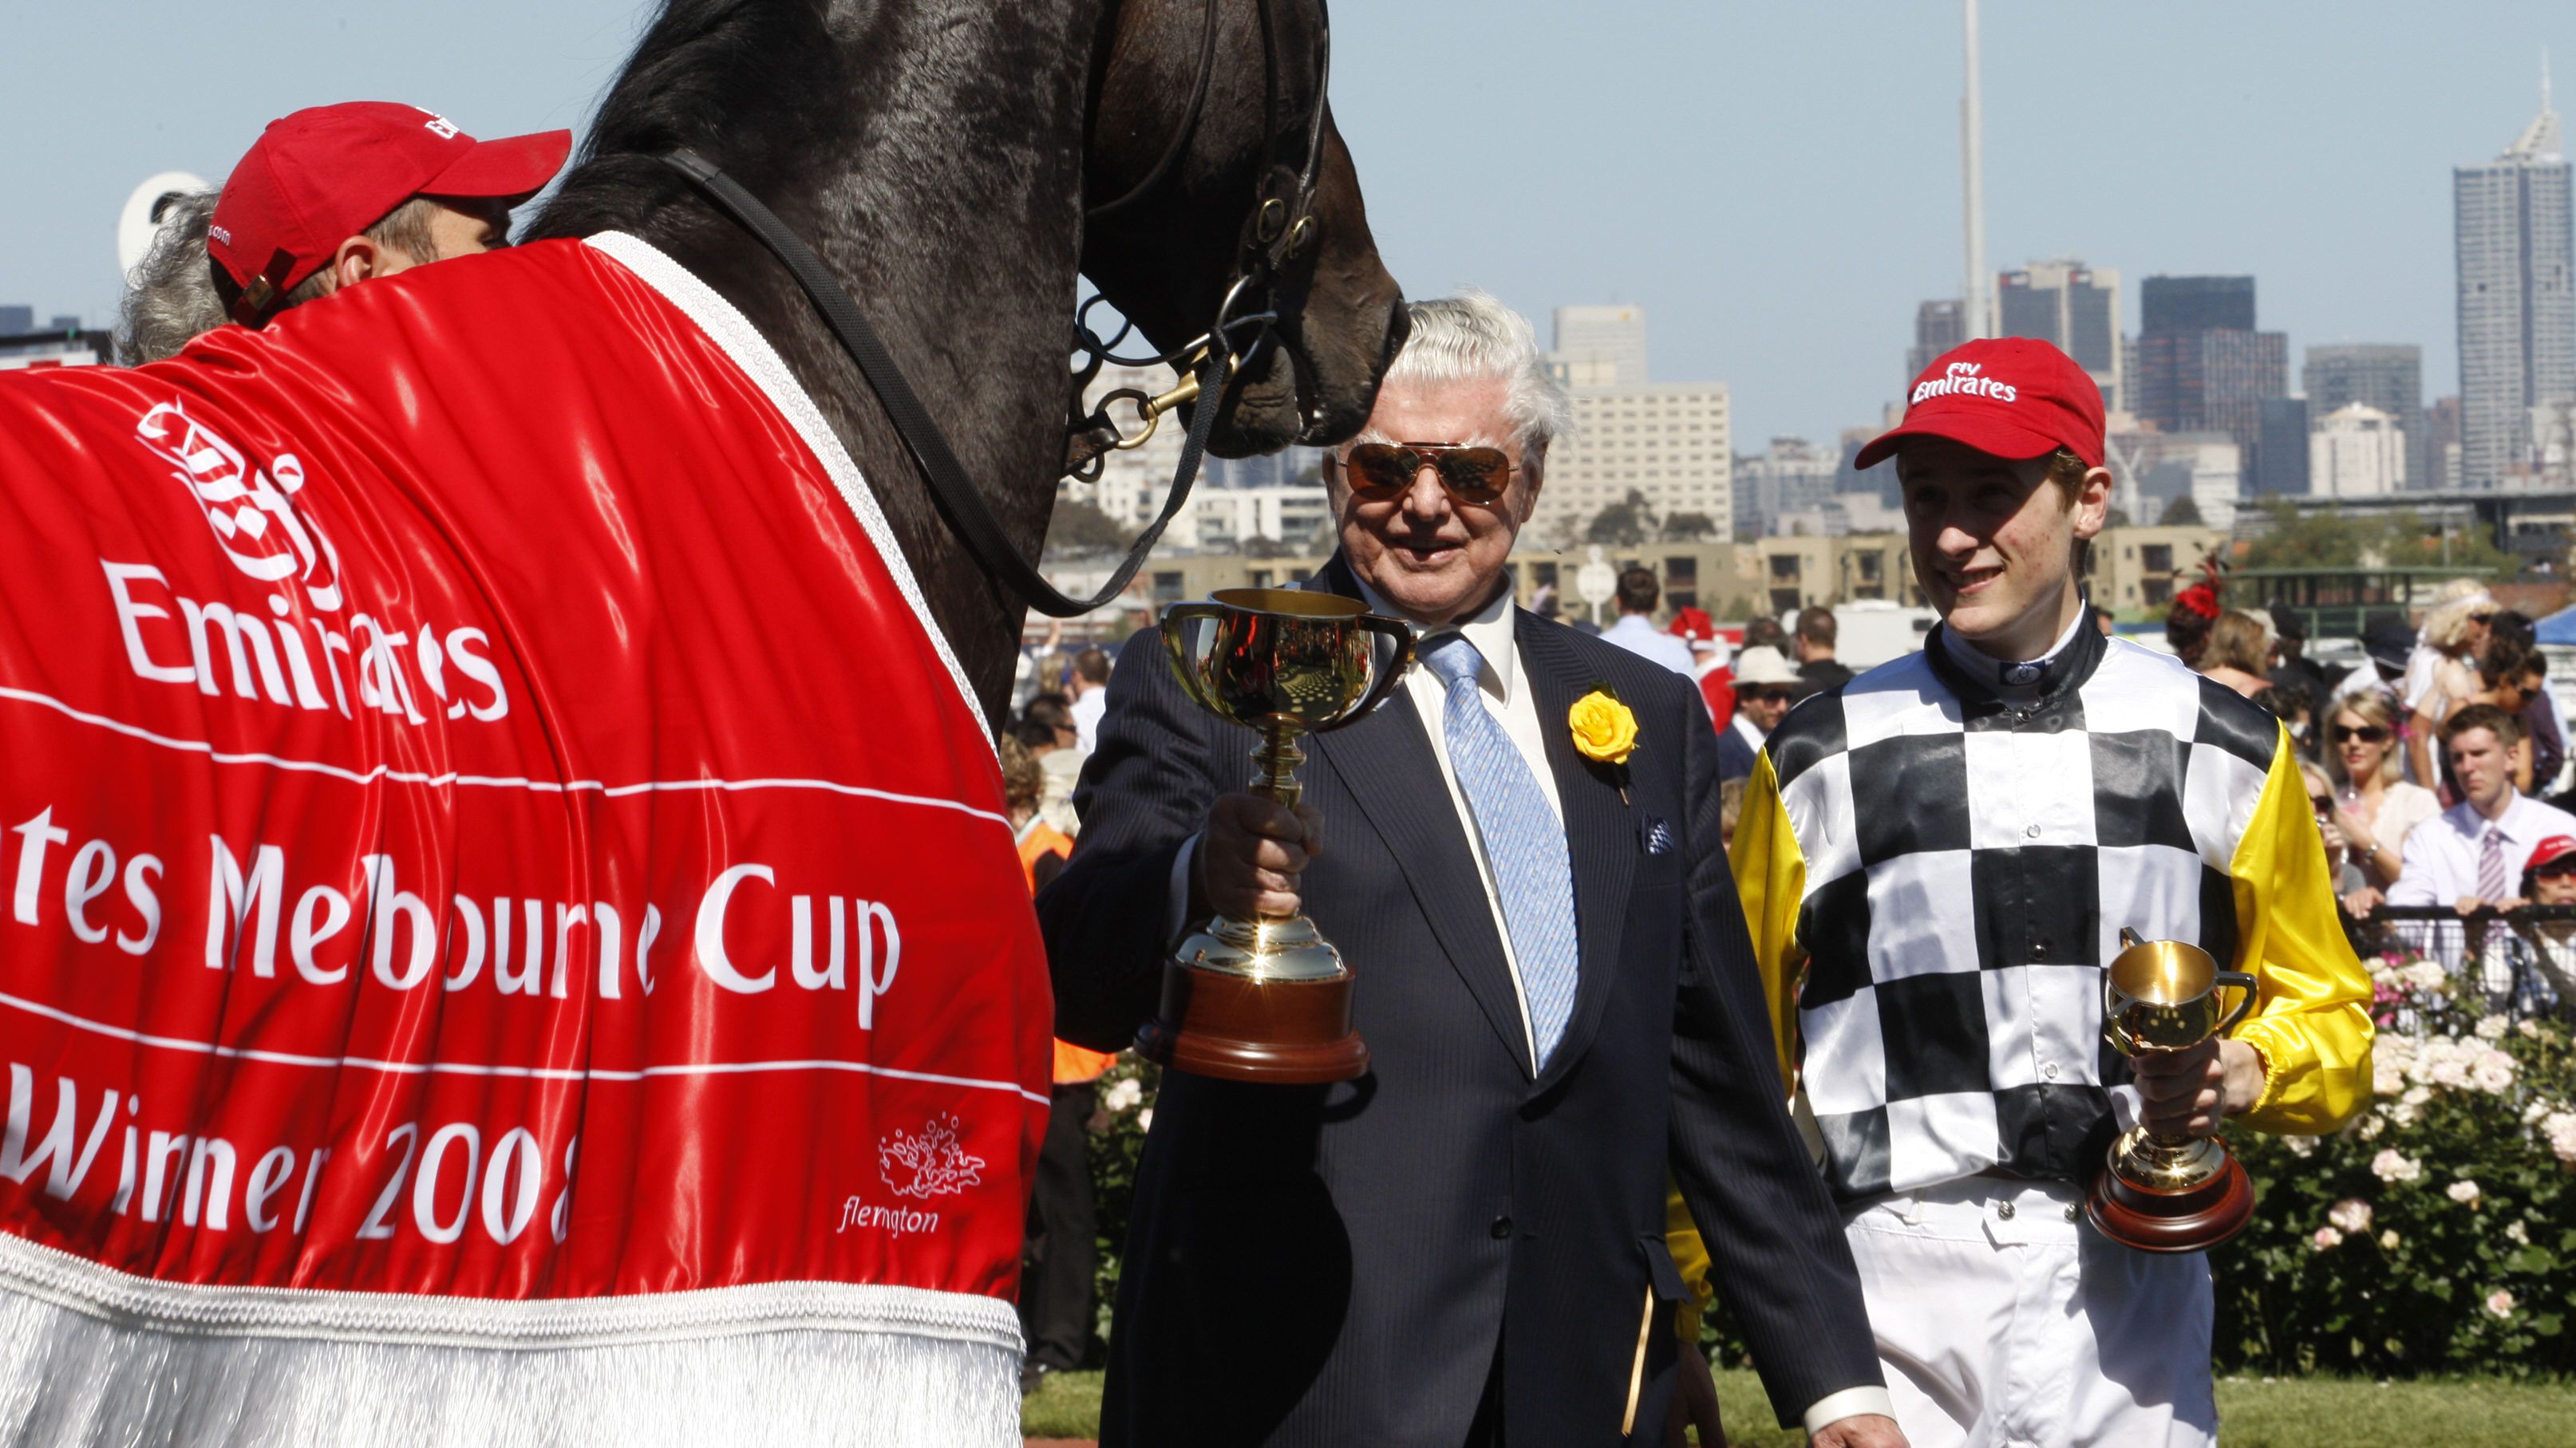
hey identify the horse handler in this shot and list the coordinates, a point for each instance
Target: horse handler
(1936, 862)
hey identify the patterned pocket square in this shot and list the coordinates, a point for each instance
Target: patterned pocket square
(1656, 835)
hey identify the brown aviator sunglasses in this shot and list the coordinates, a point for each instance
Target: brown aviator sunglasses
(1380, 470)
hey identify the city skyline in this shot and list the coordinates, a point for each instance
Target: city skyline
(1779, 188)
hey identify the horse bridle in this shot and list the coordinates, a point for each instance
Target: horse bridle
(1277, 230)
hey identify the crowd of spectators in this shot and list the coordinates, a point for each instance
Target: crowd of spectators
(2434, 767)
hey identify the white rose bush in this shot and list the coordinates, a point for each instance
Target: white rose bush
(2437, 1232)
(1117, 1144)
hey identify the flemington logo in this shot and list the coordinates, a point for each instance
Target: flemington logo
(931, 1164)
(1966, 378)
(925, 1165)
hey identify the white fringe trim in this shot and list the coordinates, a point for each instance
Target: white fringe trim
(89, 1355)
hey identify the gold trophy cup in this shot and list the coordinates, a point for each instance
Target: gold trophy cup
(2159, 1193)
(1270, 1000)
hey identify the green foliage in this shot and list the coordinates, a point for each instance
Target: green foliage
(2364, 1257)
(1689, 527)
(2333, 539)
(1079, 528)
(1117, 1144)
(2257, 1413)
(1622, 525)
(2182, 512)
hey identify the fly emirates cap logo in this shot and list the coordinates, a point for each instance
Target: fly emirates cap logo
(304, 654)
(1967, 379)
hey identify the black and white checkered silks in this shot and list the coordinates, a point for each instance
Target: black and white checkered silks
(1969, 866)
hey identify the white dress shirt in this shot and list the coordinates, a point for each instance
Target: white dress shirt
(1638, 635)
(2441, 866)
(2441, 854)
(1086, 715)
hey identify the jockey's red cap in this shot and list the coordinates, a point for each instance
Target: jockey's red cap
(320, 176)
(2009, 397)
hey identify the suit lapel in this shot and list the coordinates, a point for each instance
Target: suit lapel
(1386, 765)
(1600, 832)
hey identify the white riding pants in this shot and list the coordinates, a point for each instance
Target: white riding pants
(2005, 1321)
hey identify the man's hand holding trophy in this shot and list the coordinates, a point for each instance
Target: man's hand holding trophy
(2173, 1190)
(1260, 995)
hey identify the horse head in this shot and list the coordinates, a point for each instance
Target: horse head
(1213, 168)
(958, 166)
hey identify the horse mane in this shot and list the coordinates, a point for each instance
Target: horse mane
(704, 74)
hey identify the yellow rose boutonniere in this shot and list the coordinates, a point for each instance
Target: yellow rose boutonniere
(1603, 727)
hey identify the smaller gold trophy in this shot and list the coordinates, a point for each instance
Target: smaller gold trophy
(2159, 1193)
(1270, 1000)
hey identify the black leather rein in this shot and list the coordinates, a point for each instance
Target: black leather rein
(954, 491)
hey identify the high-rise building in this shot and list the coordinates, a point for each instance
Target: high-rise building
(2517, 312)
(1938, 327)
(2074, 308)
(2357, 451)
(1666, 441)
(15, 320)
(2281, 446)
(2201, 364)
(2387, 377)
(1600, 346)
(1793, 475)
(2196, 304)
(2441, 446)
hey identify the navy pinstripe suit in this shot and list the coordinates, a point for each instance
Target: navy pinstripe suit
(1348, 1265)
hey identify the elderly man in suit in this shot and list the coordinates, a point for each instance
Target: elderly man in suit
(1466, 1245)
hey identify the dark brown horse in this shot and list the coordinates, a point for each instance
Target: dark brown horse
(939, 156)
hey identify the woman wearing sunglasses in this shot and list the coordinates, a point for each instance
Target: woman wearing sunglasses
(2374, 806)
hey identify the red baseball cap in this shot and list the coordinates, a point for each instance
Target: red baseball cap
(2553, 848)
(2012, 397)
(321, 176)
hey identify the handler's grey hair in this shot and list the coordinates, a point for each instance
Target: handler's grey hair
(170, 295)
(1472, 336)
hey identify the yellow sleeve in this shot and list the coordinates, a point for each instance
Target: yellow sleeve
(1681, 1238)
(2311, 1023)
(1771, 878)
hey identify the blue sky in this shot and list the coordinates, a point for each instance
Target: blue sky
(1776, 184)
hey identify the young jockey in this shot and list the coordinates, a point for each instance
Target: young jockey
(1936, 862)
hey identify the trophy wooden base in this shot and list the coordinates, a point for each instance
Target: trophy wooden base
(1235, 1028)
(2147, 1220)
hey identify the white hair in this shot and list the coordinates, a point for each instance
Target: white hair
(1472, 337)
(170, 297)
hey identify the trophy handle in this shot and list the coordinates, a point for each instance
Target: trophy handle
(2112, 1028)
(1387, 678)
(2244, 1002)
(1181, 623)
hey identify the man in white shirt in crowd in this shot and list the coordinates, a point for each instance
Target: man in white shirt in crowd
(1636, 632)
(2472, 855)
(1090, 684)
(1765, 687)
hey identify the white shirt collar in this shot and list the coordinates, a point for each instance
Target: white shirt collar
(1490, 631)
(2517, 824)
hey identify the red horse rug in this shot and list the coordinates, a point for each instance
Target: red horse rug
(511, 930)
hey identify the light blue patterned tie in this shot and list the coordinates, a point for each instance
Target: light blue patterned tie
(1523, 840)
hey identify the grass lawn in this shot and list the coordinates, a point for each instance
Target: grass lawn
(2327, 1412)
